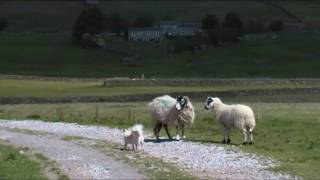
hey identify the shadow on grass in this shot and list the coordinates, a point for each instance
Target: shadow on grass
(159, 140)
(211, 142)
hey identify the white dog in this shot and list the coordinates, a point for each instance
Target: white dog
(134, 136)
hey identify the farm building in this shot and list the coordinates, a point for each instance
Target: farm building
(189, 29)
(170, 28)
(145, 34)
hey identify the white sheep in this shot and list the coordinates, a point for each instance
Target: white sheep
(134, 136)
(167, 111)
(238, 116)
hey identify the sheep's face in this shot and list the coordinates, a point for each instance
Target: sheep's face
(212, 102)
(209, 103)
(182, 102)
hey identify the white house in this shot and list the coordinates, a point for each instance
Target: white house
(170, 28)
(145, 34)
(189, 29)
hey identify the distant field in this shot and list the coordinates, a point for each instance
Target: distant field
(40, 88)
(291, 55)
(288, 132)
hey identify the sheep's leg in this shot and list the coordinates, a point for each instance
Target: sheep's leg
(228, 134)
(245, 134)
(167, 131)
(156, 130)
(177, 132)
(251, 136)
(159, 128)
(133, 146)
(125, 146)
(226, 138)
(182, 129)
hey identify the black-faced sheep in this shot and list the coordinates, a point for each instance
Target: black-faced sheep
(238, 116)
(166, 111)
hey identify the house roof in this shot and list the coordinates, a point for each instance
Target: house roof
(169, 23)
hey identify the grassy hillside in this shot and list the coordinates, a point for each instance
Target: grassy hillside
(291, 55)
(53, 16)
(37, 42)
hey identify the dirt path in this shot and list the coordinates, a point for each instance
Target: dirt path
(201, 160)
(75, 161)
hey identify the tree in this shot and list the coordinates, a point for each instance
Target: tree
(210, 22)
(211, 28)
(3, 24)
(275, 26)
(117, 23)
(143, 21)
(234, 22)
(91, 21)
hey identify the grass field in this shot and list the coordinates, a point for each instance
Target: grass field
(285, 131)
(291, 55)
(14, 165)
(41, 88)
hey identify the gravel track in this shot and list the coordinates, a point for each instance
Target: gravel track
(75, 161)
(201, 160)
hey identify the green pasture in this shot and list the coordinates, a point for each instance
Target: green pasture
(14, 165)
(57, 88)
(288, 132)
(289, 55)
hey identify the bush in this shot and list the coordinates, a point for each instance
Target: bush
(91, 21)
(95, 41)
(3, 24)
(117, 23)
(275, 26)
(213, 36)
(210, 22)
(181, 44)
